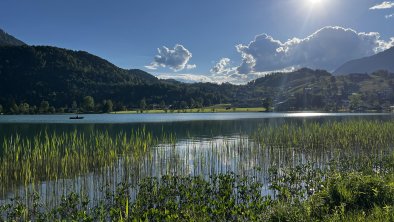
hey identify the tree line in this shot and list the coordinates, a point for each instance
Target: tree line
(42, 79)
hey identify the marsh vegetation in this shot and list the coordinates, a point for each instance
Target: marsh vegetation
(294, 171)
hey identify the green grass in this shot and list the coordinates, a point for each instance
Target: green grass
(212, 109)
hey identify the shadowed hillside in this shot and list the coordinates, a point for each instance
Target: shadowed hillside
(381, 61)
(6, 39)
(35, 76)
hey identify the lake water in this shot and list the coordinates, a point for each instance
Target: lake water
(206, 144)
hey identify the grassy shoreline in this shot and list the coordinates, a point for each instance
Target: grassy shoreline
(219, 108)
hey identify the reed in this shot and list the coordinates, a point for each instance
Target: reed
(353, 135)
(52, 156)
(328, 171)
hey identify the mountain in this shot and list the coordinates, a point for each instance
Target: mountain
(34, 75)
(31, 74)
(307, 89)
(381, 61)
(6, 39)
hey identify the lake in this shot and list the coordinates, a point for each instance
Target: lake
(201, 144)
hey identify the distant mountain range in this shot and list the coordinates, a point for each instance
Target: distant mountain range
(381, 61)
(62, 77)
(7, 40)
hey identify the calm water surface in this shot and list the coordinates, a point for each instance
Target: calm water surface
(206, 144)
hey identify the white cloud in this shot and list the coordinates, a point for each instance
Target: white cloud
(234, 78)
(185, 77)
(151, 67)
(388, 44)
(383, 5)
(231, 77)
(176, 59)
(193, 66)
(327, 49)
(389, 16)
(222, 67)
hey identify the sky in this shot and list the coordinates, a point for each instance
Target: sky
(208, 40)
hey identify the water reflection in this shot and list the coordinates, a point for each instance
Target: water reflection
(202, 148)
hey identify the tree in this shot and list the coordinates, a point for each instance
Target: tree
(183, 105)
(200, 102)
(44, 106)
(74, 106)
(108, 106)
(355, 101)
(143, 104)
(24, 108)
(52, 109)
(1, 108)
(267, 103)
(88, 103)
(33, 109)
(162, 104)
(192, 103)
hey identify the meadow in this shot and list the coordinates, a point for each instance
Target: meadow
(219, 108)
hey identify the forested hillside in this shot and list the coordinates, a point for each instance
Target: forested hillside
(31, 75)
(42, 79)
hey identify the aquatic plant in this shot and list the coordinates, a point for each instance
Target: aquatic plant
(331, 171)
(226, 197)
(53, 156)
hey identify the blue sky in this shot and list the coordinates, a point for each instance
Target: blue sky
(213, 38)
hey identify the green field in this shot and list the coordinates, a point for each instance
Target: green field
(220, 108)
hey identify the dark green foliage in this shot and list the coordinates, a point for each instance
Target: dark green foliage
(33, 74)
(354, 192)
(108, 106)
(24, 108)
(143, 104)
(44, 107)
(88, 103)
(267, 104)
(343, 196)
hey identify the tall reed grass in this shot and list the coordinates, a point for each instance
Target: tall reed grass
(51, 156)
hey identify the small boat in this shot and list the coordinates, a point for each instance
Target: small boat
(76, 117)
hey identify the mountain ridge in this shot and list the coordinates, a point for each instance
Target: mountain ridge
(381, 61)
(62, 77)
(9, 40)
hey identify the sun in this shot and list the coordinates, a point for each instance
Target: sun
(315, 2)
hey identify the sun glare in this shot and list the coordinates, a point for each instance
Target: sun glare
(314, 2)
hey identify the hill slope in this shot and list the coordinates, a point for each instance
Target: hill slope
(36, 73)
(60, 76)
(381, 61)
(6, 39)
(31, 74)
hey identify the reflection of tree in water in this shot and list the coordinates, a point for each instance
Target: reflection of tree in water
(202, 148)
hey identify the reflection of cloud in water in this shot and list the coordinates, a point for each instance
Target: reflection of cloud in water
(206, 157)
(201, 156)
